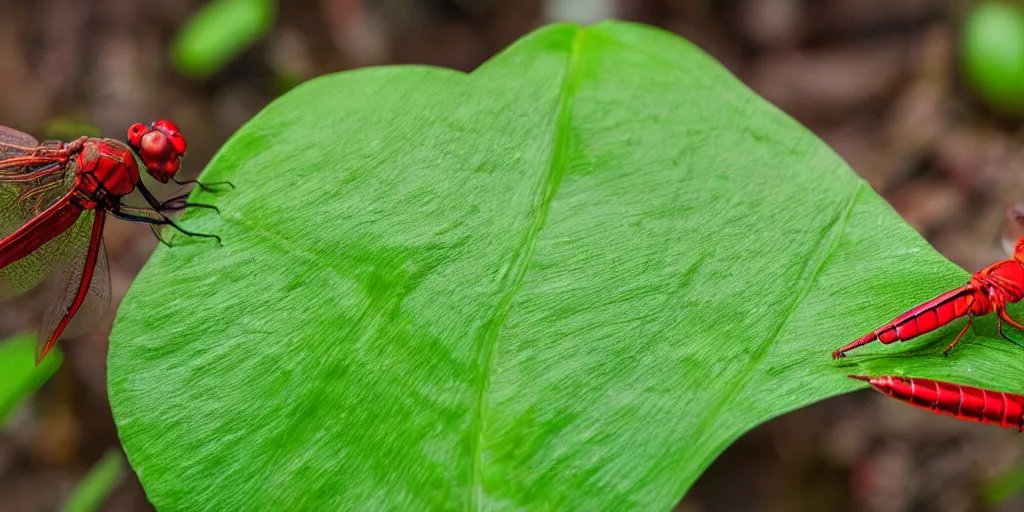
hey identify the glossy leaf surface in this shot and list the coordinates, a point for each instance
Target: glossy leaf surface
(567, 280)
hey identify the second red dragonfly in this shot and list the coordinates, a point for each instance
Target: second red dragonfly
(957, 400)
(46, 190)
(989, 290)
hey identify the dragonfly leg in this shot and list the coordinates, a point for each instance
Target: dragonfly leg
(171, 206)
(192, 233)
(999, 321)
(155, 218)
(206, 187)
(178, 198)
(179, 202)
(1006, 316)
(970, 318)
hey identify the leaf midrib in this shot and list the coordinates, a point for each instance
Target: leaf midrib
(516, 271)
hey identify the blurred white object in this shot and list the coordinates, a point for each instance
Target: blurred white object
(579, 11)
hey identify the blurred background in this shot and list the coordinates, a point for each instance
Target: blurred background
(923, 98)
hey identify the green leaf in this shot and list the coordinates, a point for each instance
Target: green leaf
(94, 489)
(21, 377)
(65, 128)
(567, 280)
(1003, 486)
(219, 31)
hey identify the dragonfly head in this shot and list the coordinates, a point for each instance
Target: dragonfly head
(160, 146)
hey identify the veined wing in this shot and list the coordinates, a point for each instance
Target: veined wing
(62, 292)
(15, 143)
(20, 201)
(22, 158)
(30, 176)
(33, 178)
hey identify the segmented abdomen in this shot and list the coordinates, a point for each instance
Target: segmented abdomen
(964, 402)
(929, 316)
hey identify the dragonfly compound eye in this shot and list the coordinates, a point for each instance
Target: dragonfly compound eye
(160, 154)
(173, 135)
(135, 134)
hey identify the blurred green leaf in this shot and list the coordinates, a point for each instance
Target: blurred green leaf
(1004, 486)
(219, 31)
(288, 81)
(68, 129)
(20, 376)
(992, 53)
(97, 485)
(567, 280)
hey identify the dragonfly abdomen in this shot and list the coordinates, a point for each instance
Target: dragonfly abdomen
(925, 318)
(964, 402)
(931, 315)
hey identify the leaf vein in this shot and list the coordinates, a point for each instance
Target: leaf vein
(515, 272)
(831, 238)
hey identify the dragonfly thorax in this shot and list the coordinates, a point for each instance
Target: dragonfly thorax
(1003, 283)
(55, 198)
(105, 170)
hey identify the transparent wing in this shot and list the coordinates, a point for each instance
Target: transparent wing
(26, 274)
(96, 304)
(34, 177)
(20, 201)
(13, 144)
(62, 291)
(9, 137)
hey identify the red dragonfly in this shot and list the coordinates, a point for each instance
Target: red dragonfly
(964, 402)
(988, 291)
(47, 192)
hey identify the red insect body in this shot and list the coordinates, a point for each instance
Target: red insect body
(56, 219)
(160, 147)
(964, 402)
(988, 291)
(63, 181)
